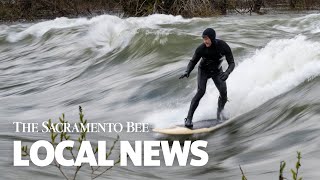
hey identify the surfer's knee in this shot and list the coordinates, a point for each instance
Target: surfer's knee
(223, 91)
(223, 94)
(201, 92)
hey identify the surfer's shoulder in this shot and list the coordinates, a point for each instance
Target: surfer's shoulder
(225, 48)
(221, 42)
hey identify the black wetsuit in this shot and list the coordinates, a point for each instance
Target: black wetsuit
(210, 67)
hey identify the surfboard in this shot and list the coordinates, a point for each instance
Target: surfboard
(202, 126)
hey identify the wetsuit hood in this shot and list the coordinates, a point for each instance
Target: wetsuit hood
(211, 33)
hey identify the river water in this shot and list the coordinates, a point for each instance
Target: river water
(127, 69)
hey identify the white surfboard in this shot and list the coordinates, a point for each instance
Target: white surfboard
(203, 126)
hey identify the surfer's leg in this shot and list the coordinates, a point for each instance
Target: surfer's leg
(222, 88)
(202, 84)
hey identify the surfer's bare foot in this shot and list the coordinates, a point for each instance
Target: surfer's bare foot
(188, 123)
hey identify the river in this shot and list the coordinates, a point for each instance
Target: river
(127, 69)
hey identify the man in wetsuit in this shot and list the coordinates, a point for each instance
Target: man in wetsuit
(211, 51)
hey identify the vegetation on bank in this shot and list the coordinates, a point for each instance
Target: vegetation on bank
(294, 172)
(13, 10)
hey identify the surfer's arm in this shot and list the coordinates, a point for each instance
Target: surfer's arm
(229, 58)
(195, 59)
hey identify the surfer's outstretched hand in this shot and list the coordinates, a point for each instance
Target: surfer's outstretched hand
(184, 75)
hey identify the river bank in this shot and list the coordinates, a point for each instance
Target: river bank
(27, 10)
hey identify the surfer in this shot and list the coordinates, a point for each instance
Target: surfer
(211, 51)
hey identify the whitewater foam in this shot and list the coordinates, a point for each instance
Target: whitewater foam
(102, 33)
(308, 23)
